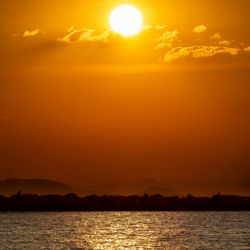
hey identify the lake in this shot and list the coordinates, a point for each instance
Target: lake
(125, 230)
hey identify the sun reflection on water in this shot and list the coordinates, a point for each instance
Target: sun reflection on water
(124, 230)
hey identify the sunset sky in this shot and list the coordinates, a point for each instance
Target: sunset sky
(84, 105)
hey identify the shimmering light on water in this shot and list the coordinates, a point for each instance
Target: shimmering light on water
(125, 230)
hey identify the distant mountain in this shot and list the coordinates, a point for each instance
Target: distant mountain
(33, 186)
(43, 186)
(140, 187)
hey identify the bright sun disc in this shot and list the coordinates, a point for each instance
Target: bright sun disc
(126, 20)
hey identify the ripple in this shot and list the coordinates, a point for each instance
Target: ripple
(125, 230)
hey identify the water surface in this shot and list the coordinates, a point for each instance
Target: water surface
(125, 230)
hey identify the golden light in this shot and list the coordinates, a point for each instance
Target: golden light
(126, 20)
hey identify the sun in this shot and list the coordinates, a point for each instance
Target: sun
(126, 20)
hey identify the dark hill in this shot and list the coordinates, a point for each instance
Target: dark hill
(137, 187)
(33, 186)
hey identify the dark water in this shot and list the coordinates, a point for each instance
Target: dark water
(125, 230)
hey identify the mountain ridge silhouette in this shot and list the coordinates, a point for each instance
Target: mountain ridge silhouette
(34, 186)
(45, 186)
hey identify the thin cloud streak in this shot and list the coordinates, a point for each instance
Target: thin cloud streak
(33, 33)
(198, 52)
(200, 29)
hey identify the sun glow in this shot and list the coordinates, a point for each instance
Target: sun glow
(126, 20)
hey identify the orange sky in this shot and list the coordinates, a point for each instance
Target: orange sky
(83, 105)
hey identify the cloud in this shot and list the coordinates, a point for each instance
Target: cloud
(163, 46)
(150, 33)
(166, 39)
(32, 33)
(88, 35)
(224, 43)
(200, 29)
(161, 27)
(198, 52)
(154, 27)
(215, 36)
(247, 49)
(168, 36)
(159, 43)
